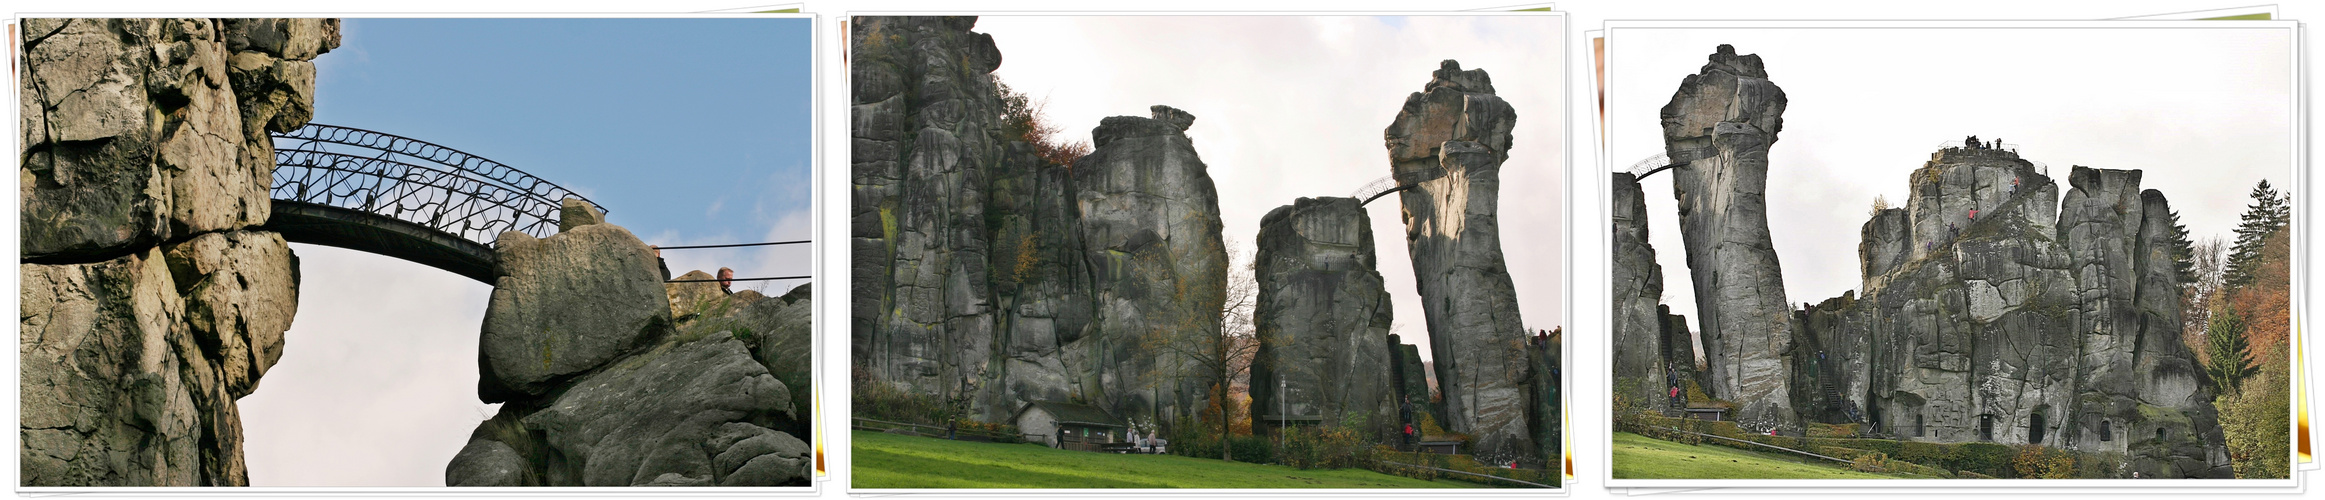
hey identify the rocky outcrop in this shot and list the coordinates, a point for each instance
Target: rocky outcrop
(1637, 321)
(566, 304)
(1543, 395)
(1447, 144)
(985, 273)
(1151, 238)
(148, 302)
(1411, 378)
(605, 384)
(1323, 320)
(2028, 324)
(927, 137)
(1718, 128)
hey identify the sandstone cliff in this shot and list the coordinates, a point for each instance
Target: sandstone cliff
(1448, 144)
(1323, 320)
(148, 301)
(611, 378)
(983, 272)
(1718, 128)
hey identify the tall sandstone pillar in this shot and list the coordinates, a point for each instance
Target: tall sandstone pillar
(1637, 322)
(1447, 146)
(150, 300)
(1718, 127)
(1323, 320)
(1152, 241)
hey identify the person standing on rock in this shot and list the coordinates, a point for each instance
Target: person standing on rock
(1973, 214)
(726, 280)
(1970, 143)
(664, 264)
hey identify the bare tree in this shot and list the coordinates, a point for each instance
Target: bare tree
(1220, 357)
(2208, 275)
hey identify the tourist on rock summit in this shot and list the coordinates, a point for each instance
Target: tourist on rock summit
(726, 281)
(659, 262)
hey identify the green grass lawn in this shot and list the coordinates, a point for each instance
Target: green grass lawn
(1641, 457)
(883, 460)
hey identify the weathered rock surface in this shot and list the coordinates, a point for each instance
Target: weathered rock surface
(140, 131)
(1323, 318)
(676, 384)
(986, 273)
(1448, 143)
(2025, 325)
(1411, 376)
(926, 132)
(1637, 322)
(1151, 238)
(147, 304)
(565, 304)
(1718, 128)
(658, 412)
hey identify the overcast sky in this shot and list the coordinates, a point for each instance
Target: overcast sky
(2205, 113)
(1293, 106)
(690, 131)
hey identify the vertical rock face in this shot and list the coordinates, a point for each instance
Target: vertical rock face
(1447, 144)
(611, 378)
(2029, 324)
(1718, 128)
(985, 273)
(1637, 321)
(148, 303)
(1323, 319)
(1412, 382)
(1542, 399)
(1151, 238)
(927, 135)
(1041, 289)
(566, 304)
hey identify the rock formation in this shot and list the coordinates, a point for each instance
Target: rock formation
(2030, 324)
(1637, 322)
(1447, 145)
(927, 137)
(1411, 378)
(984, 272)
(1990, 308)
(611, 378)
(1718, 128)
(149, 302)
(1323, 319)
(1158, 266)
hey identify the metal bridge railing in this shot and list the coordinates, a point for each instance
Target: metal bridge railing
(414, 181)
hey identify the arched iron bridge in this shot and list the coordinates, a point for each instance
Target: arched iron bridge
(405, 198)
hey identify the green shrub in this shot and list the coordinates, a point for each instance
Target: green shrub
(1326, 448)
(881, 401)
(1984, 458)
(2042, 462)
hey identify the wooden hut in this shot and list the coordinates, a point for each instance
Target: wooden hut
(1071, 426)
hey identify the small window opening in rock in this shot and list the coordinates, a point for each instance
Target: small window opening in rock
(2106, 431)
(1986, 428)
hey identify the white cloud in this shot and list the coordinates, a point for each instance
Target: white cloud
(2204, 113)
(1294, 106)
(377, 383)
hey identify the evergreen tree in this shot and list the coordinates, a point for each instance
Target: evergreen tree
(2269, 212)
(2228, 357)
(2183, 253)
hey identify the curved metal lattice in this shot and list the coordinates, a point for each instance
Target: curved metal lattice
(1376, 189)
(1650, 165)
(413, 181)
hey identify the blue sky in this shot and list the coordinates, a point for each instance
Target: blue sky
(691, 131)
